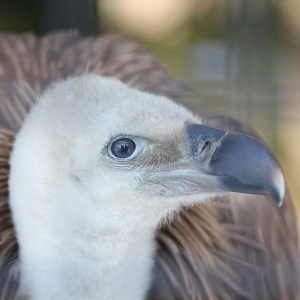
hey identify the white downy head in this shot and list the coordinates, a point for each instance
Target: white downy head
(70, 194)
(97, 166)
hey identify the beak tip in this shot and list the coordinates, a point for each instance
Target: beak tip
(278, 200)
(278, 196)
(278, 189)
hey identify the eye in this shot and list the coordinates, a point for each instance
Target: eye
(123, 148)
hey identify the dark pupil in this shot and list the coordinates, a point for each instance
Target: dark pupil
(123, 148)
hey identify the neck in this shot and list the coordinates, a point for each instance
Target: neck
(67, 251)
(111, 266)
(75, 247)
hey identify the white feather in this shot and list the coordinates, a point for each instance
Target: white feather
(85, 231)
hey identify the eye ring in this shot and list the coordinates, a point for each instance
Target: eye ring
(122, 148)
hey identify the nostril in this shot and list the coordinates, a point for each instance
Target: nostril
(205, 146)
(205, 150)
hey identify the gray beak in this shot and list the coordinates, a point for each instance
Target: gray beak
(237, 162)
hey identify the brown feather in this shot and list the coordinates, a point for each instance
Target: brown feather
(238, 247)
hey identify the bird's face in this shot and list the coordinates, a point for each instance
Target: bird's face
(111, 150)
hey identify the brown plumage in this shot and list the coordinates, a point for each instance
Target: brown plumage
(239, 247)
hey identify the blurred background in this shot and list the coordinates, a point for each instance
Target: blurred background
(241, 57)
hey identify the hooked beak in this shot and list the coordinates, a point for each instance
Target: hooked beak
(239, 162)
(222, 161)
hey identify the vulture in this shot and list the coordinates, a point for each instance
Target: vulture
(109, 189)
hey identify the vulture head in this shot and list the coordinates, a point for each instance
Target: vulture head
(97, 166)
